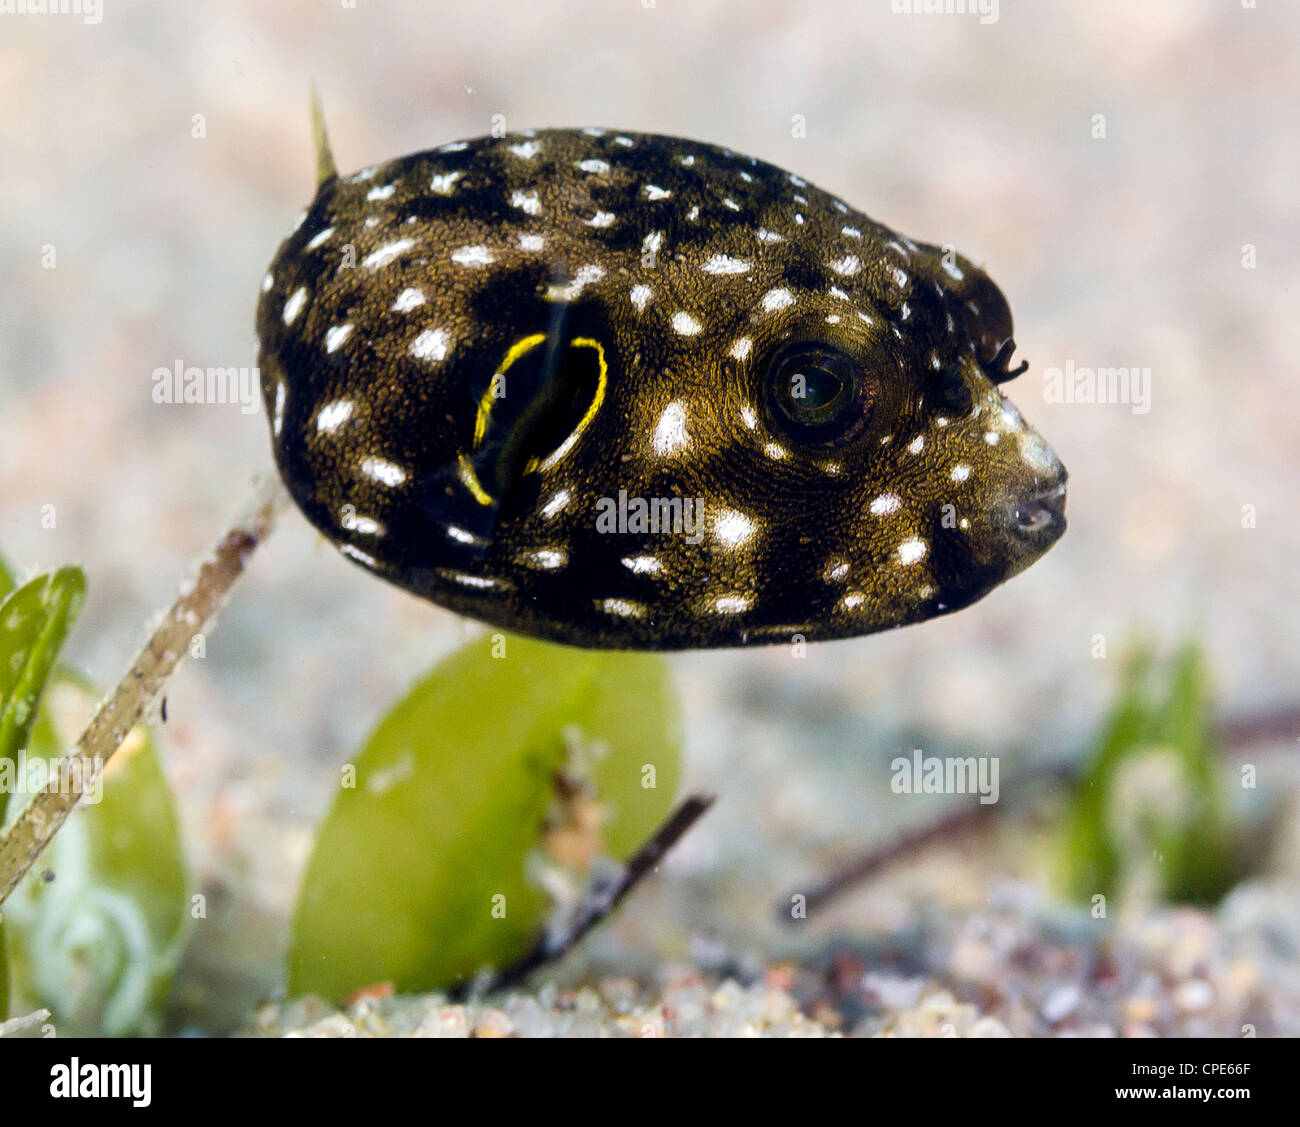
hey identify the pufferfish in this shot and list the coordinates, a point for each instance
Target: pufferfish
(622, 390)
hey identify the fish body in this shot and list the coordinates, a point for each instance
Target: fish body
(633, 391)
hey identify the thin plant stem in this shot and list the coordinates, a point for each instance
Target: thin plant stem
(195, 607)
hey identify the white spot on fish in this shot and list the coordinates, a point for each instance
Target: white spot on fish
(766, 236)
(293, 306)
(732, 604)
(333, 415)
(353, 522)
(670, 432)
(443, 183)
(432, 344)
(586, 275)
(624, 608)
(381, 193)
(407, 300)
(336, 335)
(641, 565)
(526, 150)
(385, 254)
(1037, 453)
(640, 296)
(909, 551)
(477, 255)
(777, 299)
(601, 219)
(358, 555)
(685, 324)
(531, 242)
(733, 528)
(654, 192)
(593, 166)
(885, 504)
(725, 264)
(527, 202)
(384, 472)
(556, 504)
(916, 445)
(467, 580)
(548, 559)
(320, 239)
(462, 535)
(960, 472)
(740, 348)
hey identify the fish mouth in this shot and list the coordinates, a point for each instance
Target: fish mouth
(1040, 517)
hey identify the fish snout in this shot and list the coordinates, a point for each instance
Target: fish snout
(1038, 518)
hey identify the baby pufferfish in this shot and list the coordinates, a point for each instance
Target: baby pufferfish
(631, 391)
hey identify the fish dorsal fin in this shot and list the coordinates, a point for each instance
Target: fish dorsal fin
(325, 169)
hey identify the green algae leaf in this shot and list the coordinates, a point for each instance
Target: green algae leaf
(98, 943)
(34, 621)
(1148, 812)
(423, 870)
(95, 944)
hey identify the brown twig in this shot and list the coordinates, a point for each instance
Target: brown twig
(599, 903)
(910, 842)
(1233, 732)
(123, 708)
(1279, 726)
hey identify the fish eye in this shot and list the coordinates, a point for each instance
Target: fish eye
(819, 394)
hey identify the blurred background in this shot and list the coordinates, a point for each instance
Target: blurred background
(1169, 243)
